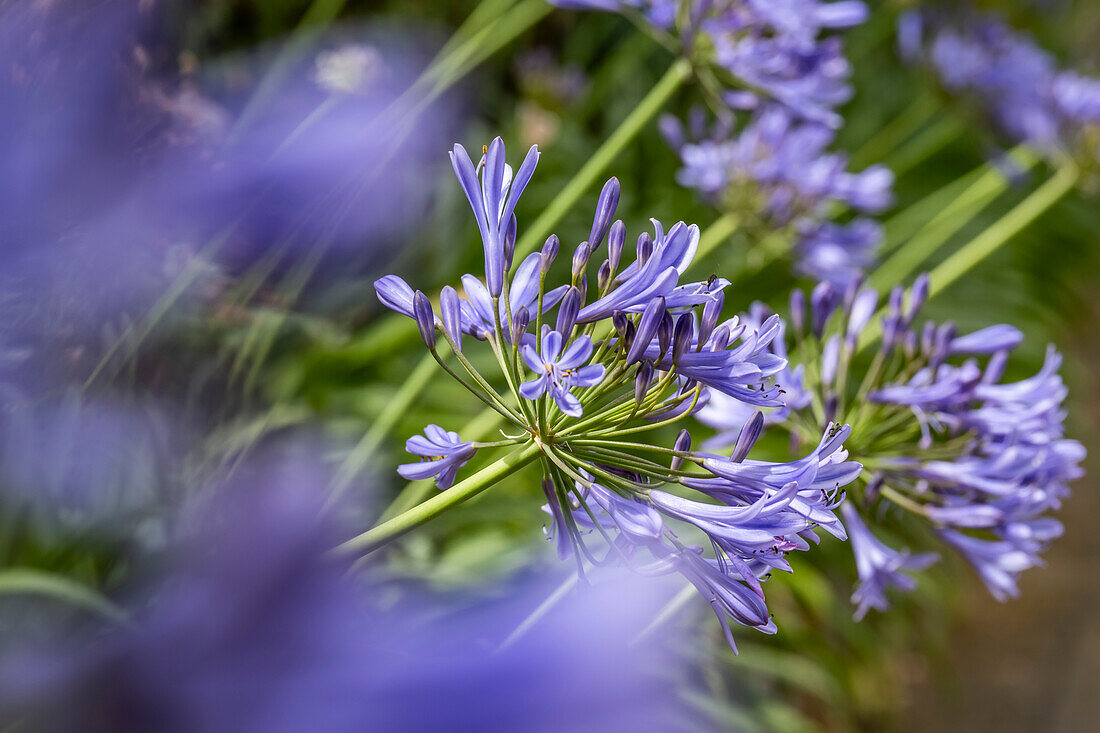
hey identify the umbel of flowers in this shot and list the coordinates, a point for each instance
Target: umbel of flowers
(588, 368)
(776, 176)
(975, 462)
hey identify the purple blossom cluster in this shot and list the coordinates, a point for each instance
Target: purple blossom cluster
(980, 461)
(1016, 83)
(633, 351)
(777, 170)
(762, 49)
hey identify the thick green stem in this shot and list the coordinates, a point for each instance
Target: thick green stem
(462, 491)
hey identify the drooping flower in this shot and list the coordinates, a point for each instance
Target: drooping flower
(879, 565)
(445, 452)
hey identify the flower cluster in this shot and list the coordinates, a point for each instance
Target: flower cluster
(751, 50)
(978, 460)
(630, 353)
(1016, 83)
(776, 173)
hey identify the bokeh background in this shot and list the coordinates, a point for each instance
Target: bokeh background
(196, 198)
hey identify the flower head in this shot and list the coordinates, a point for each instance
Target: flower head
(632, 350)
(944, 439)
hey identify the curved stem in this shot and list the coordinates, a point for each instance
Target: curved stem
(464, 490)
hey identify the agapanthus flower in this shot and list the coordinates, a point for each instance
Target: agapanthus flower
(1015, 82)
(947, 443)
(770, 49)
(561, 371)
(775, 173)
(631, 350)
(445, 452)
(879, 566)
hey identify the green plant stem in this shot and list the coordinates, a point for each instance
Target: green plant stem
(464, 490)
(928, 141)
(28, 581)
(646, 110)
(398, 406)
(986, 243)
(901, 128)
(951, 217)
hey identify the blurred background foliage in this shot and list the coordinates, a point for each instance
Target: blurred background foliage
(287, 344)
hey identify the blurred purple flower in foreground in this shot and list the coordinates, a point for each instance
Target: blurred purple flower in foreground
(127, 183)
(256, 628)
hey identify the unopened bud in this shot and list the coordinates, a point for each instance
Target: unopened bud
(425, 319)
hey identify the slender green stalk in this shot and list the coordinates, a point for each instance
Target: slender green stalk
(462, 491)
(892, 134)
(646, 110)
(28, 581)
(398, 406)
(1008, 226)
(986, 243)
(930, 140)
(951, 217)
(907, 222)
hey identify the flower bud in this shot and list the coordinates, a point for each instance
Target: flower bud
(863, 307)
(629, 334)
(712, 311)
(619, 321)
(748, 436)
(580, 259)
(509, 242)
(521, 319)
(615, 240)
(582, 288)
(681, 336)
(603, 277)
(682, 445)
(452, 315)
(918, 294)
(643, 380)
(568, 309)
(664, 335)
(831, 405)
(798, 310)
(822, 304)
(829, 356)
(928, 338)
(425, 319)
(645, 248)
(605, 211)
(647, 328)
(549, 252)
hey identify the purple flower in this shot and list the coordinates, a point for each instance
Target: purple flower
(559, 372)
(281, 640)
(493, 201)
(838, 253)
(1014, 80)
(998, 562)
(445, 453)
(879, 565)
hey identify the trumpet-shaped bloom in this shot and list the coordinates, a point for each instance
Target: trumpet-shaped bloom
(879, 565)
(559, 372)
(445, 453)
